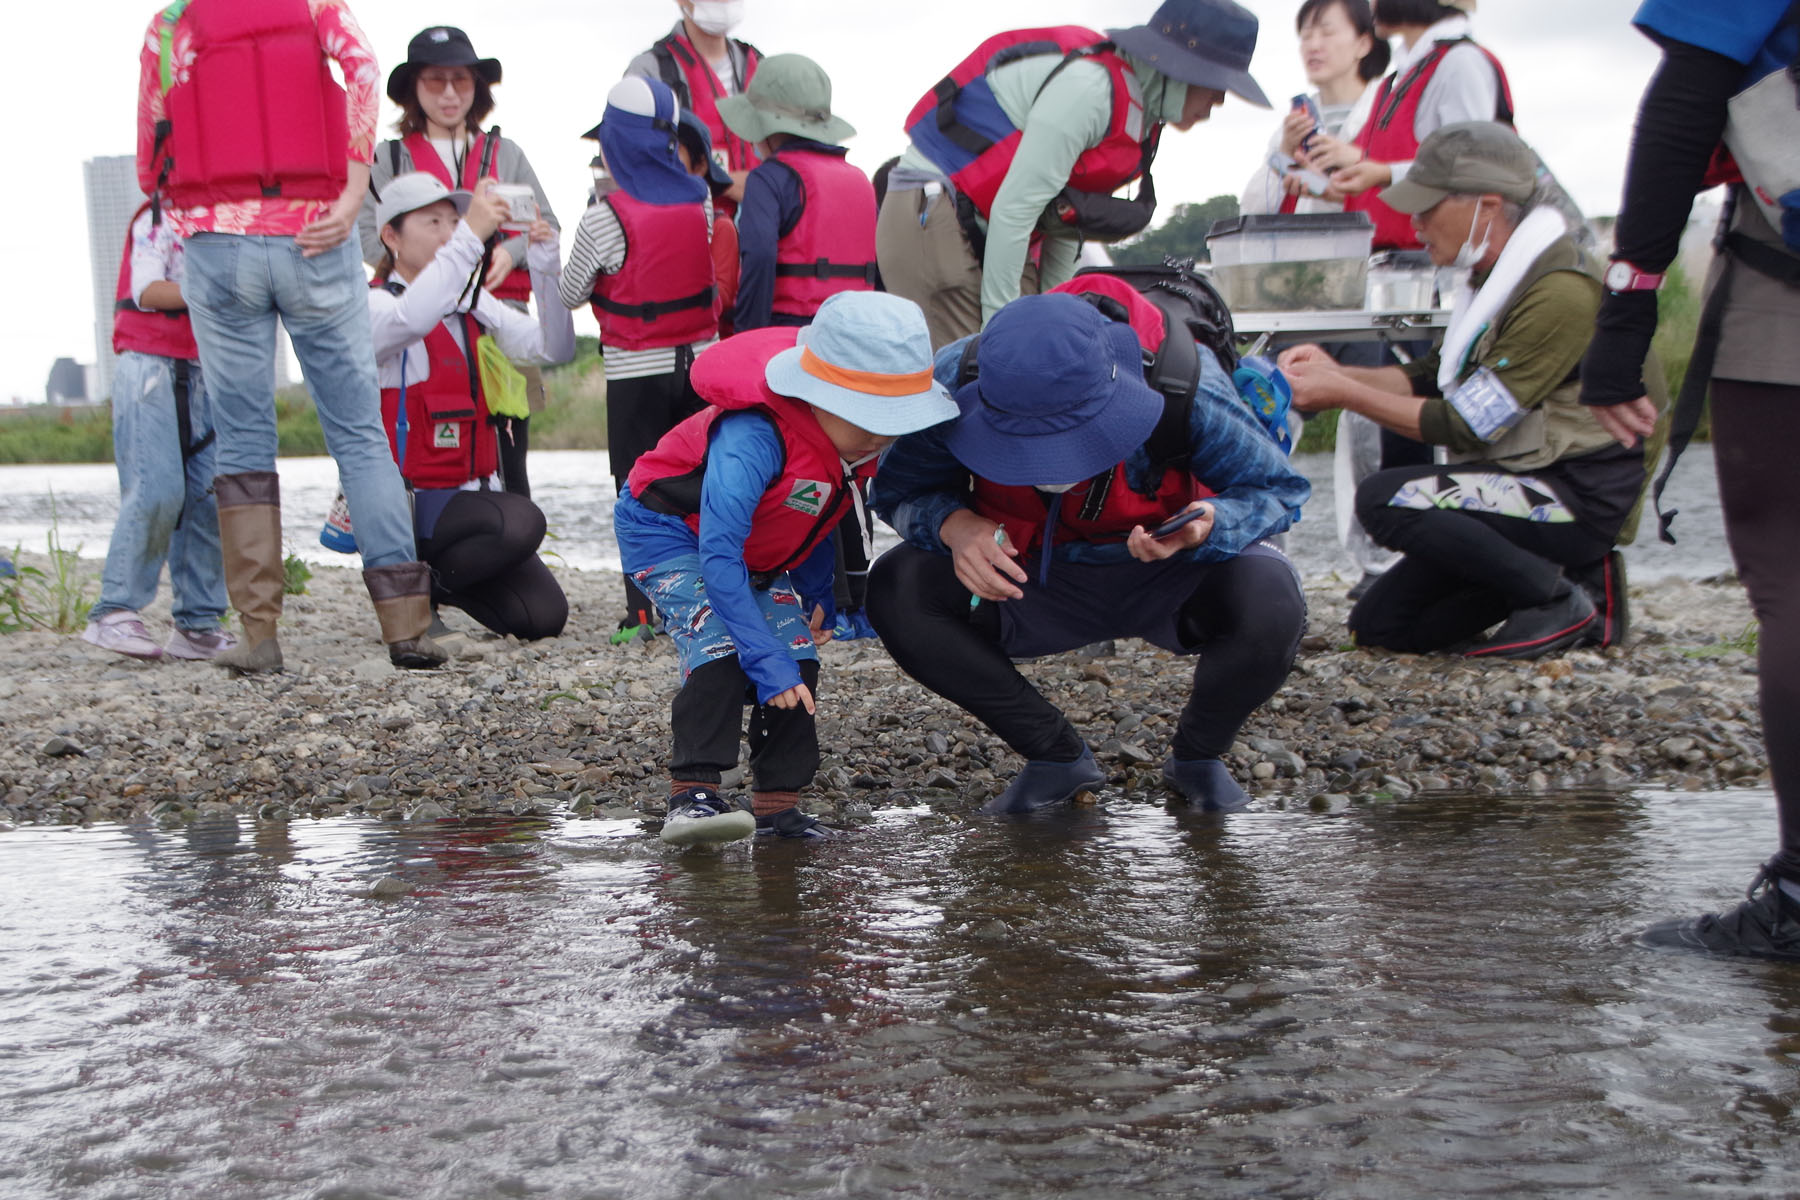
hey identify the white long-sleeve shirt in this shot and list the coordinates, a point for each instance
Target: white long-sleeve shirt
(400, 323)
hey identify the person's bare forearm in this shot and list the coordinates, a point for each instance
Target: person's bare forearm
(1397, 411)
(163, 296)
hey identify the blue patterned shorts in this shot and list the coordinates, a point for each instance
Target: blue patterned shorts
(679, 593)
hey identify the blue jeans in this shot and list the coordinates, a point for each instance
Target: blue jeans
(235, 287)
(166, 508)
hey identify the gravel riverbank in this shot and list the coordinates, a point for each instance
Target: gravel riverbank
(576, 725)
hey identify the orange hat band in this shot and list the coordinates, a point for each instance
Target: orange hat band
(873, 383)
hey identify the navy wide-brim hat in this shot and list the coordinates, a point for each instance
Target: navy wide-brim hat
(1202, 43)
(439, 46)
(1060, 396)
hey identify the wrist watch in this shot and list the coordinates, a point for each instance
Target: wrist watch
(1621, 276)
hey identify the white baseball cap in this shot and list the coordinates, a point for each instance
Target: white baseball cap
(407, 193)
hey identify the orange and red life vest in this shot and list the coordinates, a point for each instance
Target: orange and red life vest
(1388, 136)
(164, 333)
(698, 87)
(831, 248)
(808, 496)
(960, 126)
(259, 114)
(665, 293)
(449, 438)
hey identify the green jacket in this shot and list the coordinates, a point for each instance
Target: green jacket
(1534, 346)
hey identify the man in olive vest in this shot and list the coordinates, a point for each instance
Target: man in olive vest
(1518, 528)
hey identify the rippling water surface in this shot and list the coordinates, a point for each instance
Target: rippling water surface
(1431, 999)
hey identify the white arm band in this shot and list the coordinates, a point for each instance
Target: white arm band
(1484, 402)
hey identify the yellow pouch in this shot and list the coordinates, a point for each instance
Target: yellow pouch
(501, 382)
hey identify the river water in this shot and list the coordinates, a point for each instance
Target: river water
(1438, 998)
(574, 488)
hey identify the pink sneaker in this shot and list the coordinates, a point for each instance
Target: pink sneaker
(122, 632)
(198, 643)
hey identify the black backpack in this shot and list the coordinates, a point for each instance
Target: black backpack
(1193, 311)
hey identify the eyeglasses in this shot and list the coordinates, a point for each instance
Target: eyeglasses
(437, 81)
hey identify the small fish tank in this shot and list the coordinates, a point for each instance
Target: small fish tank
(1291, 262)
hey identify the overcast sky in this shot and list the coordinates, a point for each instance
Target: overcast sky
(1577, 69)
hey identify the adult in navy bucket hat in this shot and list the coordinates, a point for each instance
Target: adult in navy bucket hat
(1031, 526)
(992, 171)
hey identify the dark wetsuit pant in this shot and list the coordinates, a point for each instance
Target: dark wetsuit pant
(483, 550)
(1242, 616)
(1756, 433)
(707, 721)
(638, 413)
(1466, 568)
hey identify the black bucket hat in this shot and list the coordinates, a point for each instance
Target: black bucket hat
(439, 46)
(1202, 43)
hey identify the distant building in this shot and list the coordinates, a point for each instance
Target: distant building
(67, 383)
(112, 196)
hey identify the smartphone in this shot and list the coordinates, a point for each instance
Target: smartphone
(1307, 105)
(1177, 521)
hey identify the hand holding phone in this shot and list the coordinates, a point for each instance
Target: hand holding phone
(1178, 520)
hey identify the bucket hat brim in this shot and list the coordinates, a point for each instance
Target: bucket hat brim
(400, 79)
(750, 120)
(1187, 66)
(884, 416)
(1022, 456)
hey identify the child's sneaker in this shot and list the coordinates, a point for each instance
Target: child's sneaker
(791, 823)
(700, 816)
(198, 644)
(632, 633)
(122, 632)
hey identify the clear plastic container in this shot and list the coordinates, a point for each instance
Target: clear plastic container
(1292, 262)
(1402, 281)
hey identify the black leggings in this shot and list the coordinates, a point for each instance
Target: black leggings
(1464, 571)
(638, 413)
(707, 721)
(484, 552)
(1244, 619)
(1755, 427)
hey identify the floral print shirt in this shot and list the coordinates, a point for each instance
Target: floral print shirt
(341, 40)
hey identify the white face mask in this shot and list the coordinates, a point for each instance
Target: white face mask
(718, 17)
(1058, 488)
(1469, 254)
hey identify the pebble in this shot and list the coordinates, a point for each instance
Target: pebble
(579, 727)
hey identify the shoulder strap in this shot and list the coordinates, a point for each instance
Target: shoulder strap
(967, 368)
(1169, 443)
(670, 71)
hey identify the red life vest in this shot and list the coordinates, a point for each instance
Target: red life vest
(804, 502)
(449, 439)
(259, 114)
(1103, 510)
(831, 248)
(960, 126)
(1387, 136)
(698, 88)
(160, 332)
(425, 157)
(664, 295)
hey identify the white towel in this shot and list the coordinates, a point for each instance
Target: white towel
(1473, 311)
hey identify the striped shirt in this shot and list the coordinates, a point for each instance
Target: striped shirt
(600, 250)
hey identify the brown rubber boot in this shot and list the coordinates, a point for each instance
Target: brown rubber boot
(250, 544)
(402, 596)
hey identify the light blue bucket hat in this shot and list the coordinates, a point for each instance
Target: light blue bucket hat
(866, 358)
